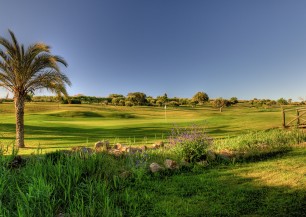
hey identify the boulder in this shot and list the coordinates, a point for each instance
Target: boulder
(160, 144)
(85, 150)
(118, 146)
(133, 150)
(171, 164)
(123, 149)
(144, 148)
(115, 152)
(102, 145)
(81, 149)
(155, 146)
(155, 167)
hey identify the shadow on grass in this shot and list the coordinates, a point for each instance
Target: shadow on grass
(218, 192)
(77, 135)
(89, 114)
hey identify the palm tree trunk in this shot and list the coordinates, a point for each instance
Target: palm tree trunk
(19, 111)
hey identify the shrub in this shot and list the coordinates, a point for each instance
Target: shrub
(190, 143)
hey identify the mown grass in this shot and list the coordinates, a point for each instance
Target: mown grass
(50, 126)
(78, 184)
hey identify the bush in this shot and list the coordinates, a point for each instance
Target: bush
(190, 143)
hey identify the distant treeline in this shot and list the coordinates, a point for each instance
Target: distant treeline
(141, 99)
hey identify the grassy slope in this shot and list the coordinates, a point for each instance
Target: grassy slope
(93, 187)
(52, 126)
(274, 187)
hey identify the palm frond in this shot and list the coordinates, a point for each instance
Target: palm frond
(26, 70)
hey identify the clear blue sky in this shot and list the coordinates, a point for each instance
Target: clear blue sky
(242, 48)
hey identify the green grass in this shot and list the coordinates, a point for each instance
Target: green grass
(50, 126)
(57, 184)
(85, 185)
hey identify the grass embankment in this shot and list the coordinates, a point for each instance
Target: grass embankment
(264, 175)
(77, 184)
(50, 126)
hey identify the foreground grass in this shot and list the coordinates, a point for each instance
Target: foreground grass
(58, 185)
(79, 184)
(50, 126)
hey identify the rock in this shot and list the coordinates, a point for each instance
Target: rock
(123, 149)
(81, 149)
(85, 150)
(211, 156)
(144, 148)
(118, 146)
(155, 167)
(160, 144)
(155, 146)
(115, 152)
(102, 145)
(133, 150)
(171, 164)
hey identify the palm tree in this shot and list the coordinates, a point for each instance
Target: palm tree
(24, 71)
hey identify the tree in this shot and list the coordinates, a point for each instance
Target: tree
(22, 71)
(220, 103)
(200, 98)
(137, 98)
(234, 100)
(115, 95)
(282, 101)
(162, 100)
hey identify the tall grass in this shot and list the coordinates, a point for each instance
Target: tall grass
(81, 184)
(270, 140)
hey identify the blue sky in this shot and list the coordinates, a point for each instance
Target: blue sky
(242, 48)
